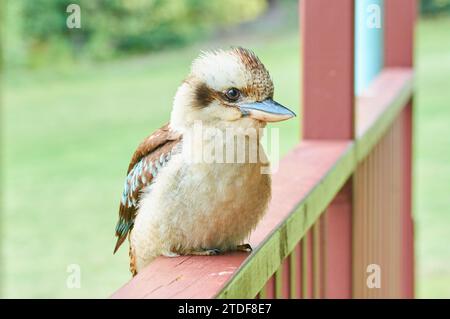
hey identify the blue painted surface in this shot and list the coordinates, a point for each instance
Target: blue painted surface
(369, 38)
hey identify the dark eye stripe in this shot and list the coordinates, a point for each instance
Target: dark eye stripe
(203, 95)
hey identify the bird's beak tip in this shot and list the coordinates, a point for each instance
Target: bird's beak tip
(267, 111)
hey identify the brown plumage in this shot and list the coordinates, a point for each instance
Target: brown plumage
(158, 144)
(249, 58)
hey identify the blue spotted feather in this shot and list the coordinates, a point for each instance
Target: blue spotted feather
(151, 156)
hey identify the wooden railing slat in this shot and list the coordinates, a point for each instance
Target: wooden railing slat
(299, 270)
(293, 274)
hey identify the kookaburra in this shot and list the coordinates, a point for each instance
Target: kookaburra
(174, 206)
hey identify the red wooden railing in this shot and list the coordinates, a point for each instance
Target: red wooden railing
(341, 199)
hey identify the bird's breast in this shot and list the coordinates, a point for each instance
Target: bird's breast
(221, 203)
(199, 205)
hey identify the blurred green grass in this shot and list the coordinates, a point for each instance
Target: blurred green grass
(68, 137)
(432, 158)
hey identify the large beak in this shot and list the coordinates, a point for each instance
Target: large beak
(267, 111)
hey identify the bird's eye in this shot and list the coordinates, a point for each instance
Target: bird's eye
(233, 94)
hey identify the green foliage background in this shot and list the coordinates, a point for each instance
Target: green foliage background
(37, 34)
(434, 7)
(37, 31)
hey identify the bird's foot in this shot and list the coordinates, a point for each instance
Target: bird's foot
(244, 247)
(170, 254)
(206, 252)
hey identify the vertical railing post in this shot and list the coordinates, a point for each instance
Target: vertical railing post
(400, 16)
(327, 31)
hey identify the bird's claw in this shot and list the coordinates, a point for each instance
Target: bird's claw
(207, 252)
(214, 251)
(244, 247)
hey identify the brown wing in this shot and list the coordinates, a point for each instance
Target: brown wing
(151, 155)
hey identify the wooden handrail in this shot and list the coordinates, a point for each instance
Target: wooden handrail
(379, 105)
(307, 180)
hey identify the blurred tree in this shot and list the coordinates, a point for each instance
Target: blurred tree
(433, 7)
(114, 27)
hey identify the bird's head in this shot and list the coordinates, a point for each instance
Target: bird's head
(227, 87)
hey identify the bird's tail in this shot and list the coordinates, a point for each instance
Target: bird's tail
(119, 242)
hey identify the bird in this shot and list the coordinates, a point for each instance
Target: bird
(174, 205)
